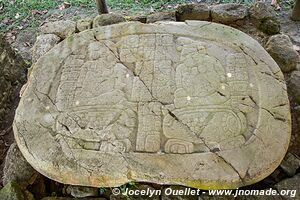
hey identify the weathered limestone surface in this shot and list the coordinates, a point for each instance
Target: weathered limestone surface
(16, 168)
(193, 12)
(107, 19)
(43, 44)
(161, 16)
(62, 29)
(84, 24)
(228, 13)
(196, 104)
(264, 17)
(280, 47)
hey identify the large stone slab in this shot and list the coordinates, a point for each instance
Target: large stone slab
(196, 104)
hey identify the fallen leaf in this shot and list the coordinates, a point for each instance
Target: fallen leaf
(67, 4)
(17, 16)
(61, 7)
(5, 21)
(151, 10)
(27, 44)
(36, 12)
(12, 2)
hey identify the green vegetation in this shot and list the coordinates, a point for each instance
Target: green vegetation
(137, 5)
(18, 11)
(18, 14)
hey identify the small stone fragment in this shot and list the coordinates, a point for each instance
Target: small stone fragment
(119, 197)
(62, 29)
(269, 26)
(84, 24)
(216, 197)
(68, 198)
(81, 191)
(193, 12)
(228, 13)
(292, 185)
(161, 16)
(140, 18)
(107, 19)
(281, 49)
(294, 86)
(290, 164)
(12, 191)
(43, 44)
(16, 168)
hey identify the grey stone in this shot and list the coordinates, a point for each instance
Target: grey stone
(228, 13)
(67, 198)
(261, 11)
(12, 191)
(290, 186)
(193, 12)
(62, 29)
(84, 24)
(264, 17)
(16, 168)
(43, 44)
(216, 197)
(161, 16)
(269, 26)
(81, 191)
(290, 164)
(57, 198)
(107, 19)
(28, 195)
(12, 76)
(119, 197)
(281, 49)
(191, 104)
(140, 18)
(294, 86)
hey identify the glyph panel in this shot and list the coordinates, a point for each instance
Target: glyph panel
(167, 103)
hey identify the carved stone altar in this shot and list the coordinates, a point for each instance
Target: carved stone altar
(195, 103)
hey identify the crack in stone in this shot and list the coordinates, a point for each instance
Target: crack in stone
(273, 76)
(23, 138)
(230, 165)
(211, 150)
(252, 99)
(274, 115)
(136, 75)
(243, 50)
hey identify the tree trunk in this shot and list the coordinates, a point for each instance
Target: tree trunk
(101, 7)
(296, 11)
